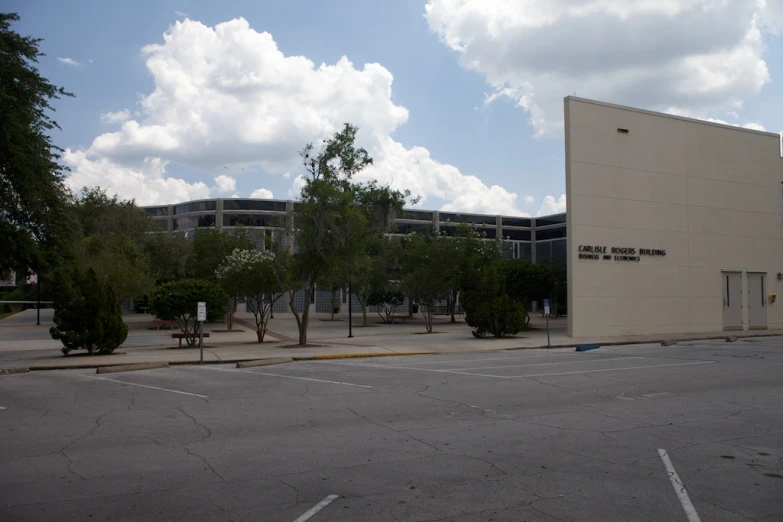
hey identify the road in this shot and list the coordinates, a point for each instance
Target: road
(619, 433)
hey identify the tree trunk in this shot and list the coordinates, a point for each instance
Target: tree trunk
(364, 314)
(305, 318)
(453, 301)
(260, 334)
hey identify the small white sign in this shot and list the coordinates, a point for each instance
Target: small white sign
(546, 306)
(202, 312)
(32, 278)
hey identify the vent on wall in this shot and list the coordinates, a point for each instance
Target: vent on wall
(623, 131)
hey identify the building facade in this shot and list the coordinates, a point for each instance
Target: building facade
(531, 239)
(674, 225)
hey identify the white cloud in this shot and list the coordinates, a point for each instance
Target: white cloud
(552, 206)
(225, 184)
(535, 52)
(751, 125)
(754, 126)
(67, 61)
(181, 14)
(116, 117)
(226, 95)
(530, 200)
(90, 60)
(286, 175)
(262, 193)
(296, 187)
(145, 183)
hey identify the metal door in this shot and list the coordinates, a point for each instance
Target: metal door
(757, 301)
(732, 300)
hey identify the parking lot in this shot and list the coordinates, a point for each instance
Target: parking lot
(626, 433)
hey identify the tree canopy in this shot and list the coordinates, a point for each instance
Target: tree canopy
(34, 224)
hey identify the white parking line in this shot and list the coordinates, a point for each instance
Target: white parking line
(679, 488)
(613, 369)
(515, 376)
(2, 407)
(318, 507)
(510, 358)
(580, 361)
(282, 376)
(147, 386)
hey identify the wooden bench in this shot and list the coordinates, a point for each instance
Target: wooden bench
(158, 323)
(401, 317)
(181, 336)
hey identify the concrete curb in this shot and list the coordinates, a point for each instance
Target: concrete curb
(264, 362)
(131, 367)
(11, 371)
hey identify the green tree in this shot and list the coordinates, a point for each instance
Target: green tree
(168, 255)
(251, 274)
(87, 313)
(560, 287)
(488, 307)
(114, 233)
(328, 223)
(211, 247)
(34, 223)
(526, 281)
(178, 301)
(427, 280)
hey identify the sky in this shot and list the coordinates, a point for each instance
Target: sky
(458, 101)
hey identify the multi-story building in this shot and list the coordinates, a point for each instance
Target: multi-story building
(531, 239)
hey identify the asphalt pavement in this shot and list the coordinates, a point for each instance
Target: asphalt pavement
(624, 433)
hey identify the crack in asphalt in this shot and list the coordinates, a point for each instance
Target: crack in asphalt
(71, 462)
(191, 453)
(405, 434)
(196, 422)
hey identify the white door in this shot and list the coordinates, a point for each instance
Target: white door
(757, 301)
(732, 300)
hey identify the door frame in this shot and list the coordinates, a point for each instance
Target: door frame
(764, 292)
(723, 274)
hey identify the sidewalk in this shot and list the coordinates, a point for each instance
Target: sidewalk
(25, 345)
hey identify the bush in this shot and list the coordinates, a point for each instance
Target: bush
(178, 301)
(489, 309)
(87, 314)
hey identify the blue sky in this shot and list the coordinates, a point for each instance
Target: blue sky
(481, 80)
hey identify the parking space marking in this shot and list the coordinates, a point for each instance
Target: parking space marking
(383, 366)
(283, 376)
(2, 407)
(316, 508)
(612, 369)
(542, 364)
(679, 488)
(147, 386)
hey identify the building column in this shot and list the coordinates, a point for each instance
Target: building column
(436, 222)
(219, 214)
(499, 227)
(170, 221)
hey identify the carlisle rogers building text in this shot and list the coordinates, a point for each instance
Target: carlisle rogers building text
(617, 253)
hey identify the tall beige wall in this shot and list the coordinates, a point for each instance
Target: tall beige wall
(709, 195)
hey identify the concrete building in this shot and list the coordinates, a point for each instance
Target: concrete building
(532, 239)
(674, 224)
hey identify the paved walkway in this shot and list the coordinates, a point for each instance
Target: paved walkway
(27, 345)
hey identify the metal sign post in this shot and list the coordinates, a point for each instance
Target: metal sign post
(546, 314)
(201, 317)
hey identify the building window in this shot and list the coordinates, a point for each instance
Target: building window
(253, 204)
(196, 206)
(253, 220)
(552, 233)
(516, 234)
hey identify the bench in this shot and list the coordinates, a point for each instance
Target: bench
(401, 317)
(181, 336)
(158, 323)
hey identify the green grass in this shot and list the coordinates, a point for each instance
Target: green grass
(4, 315)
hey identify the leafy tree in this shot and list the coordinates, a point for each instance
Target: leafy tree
(327, 223)
(560, 287)
(178, 301)
(388, 298)
(168, 255)
(211, 247)
(87, 314)
(251, 274)
(113, 237)
(332, 279)
(526, 281)
(34, 223)
(488, 307)
(425, 279)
